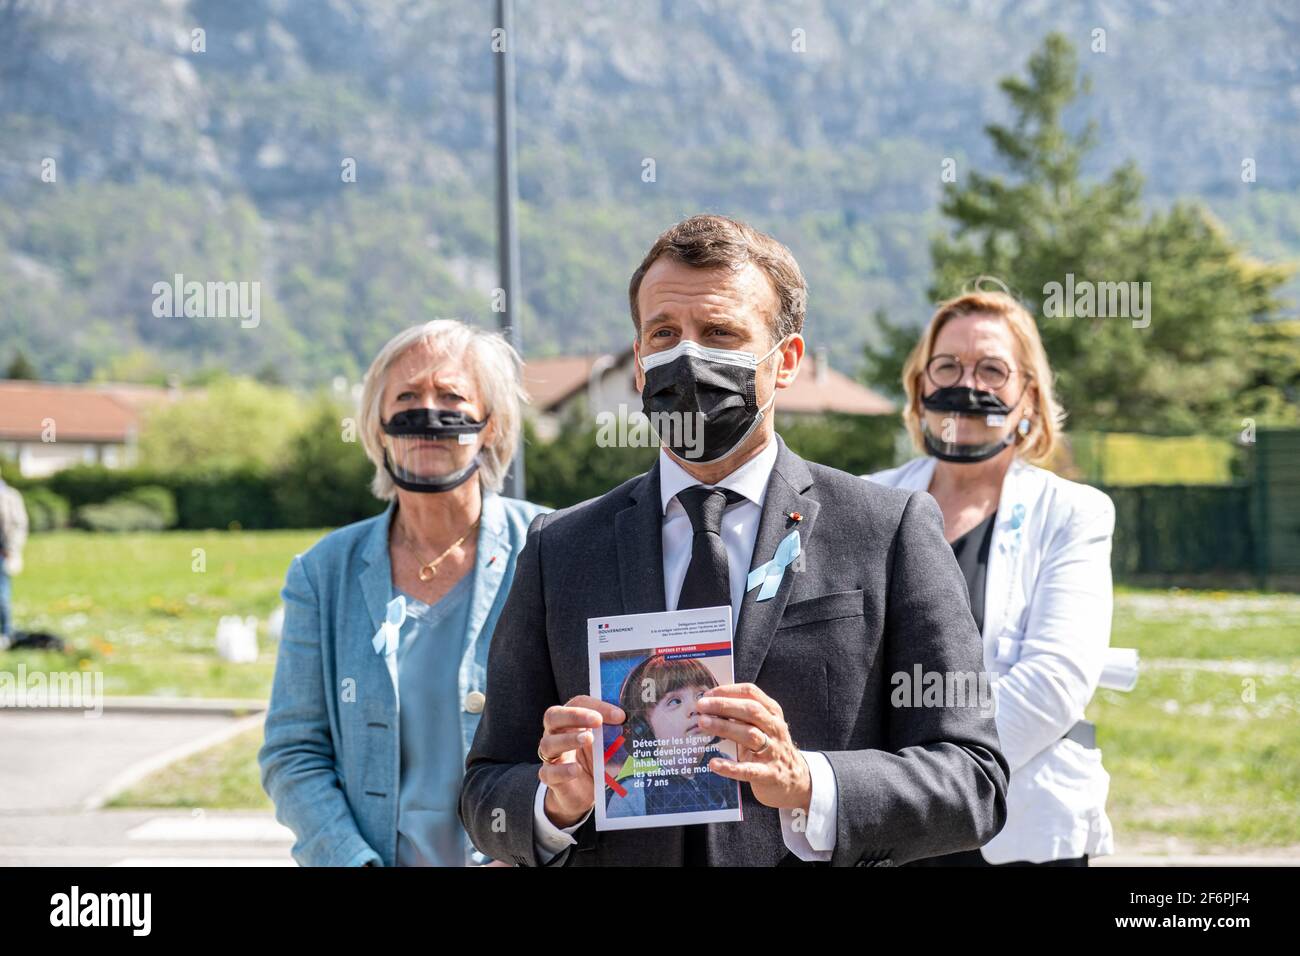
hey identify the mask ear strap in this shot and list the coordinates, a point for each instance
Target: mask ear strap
(771, 350)
(771, 401)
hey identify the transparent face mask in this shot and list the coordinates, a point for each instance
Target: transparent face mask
(964, 424)
(431, 449)
(425, 459)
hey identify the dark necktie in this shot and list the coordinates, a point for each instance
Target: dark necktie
(707, 584)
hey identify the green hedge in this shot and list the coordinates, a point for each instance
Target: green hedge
(303, 494)
(213, 500)
(46, 511)
(125, 513)
(145, 508)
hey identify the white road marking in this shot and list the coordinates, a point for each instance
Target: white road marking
(209, 829)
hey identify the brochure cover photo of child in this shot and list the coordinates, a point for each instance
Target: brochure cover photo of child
(655, 765)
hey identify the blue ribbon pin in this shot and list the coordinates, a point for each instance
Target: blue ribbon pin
(385, 639)
(770, 574)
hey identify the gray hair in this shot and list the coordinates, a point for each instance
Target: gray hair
(497, 371)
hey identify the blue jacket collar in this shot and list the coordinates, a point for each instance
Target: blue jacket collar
(491, 559)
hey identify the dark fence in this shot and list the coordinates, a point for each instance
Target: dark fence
(1243, 533)
(1275, 485)
(1174, 529)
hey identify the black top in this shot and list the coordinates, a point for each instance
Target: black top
(972, 553)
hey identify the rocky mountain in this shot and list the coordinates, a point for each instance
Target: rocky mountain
(216, 138)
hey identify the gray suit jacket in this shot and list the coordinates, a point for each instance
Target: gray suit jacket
(879, 593)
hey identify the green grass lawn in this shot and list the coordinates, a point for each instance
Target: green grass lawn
(1192, 762)
(143, 608)
(222, 777)
(1200, 760)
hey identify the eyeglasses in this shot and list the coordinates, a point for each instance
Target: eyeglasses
(946, 371)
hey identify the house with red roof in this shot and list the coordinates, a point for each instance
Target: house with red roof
(607, 383)
(46, 426)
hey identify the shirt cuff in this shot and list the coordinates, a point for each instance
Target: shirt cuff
(814, 839)
(550, 841)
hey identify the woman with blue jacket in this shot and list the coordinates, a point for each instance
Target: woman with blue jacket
(380, 679)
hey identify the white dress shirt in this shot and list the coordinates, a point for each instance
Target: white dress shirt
(816, 839)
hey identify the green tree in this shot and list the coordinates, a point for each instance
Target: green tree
(232, 423)
(325, 480)
(1274, 390)
(1192, 361)
(21, 368)
(884, 362)
(857, 444)
(573, 466)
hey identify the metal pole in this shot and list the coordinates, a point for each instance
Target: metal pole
(507, 198)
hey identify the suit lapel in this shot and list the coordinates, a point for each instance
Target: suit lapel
(758, 621)
(377, 576)
(491, 558)
(639, 535)
(638, 529)
(377, 588)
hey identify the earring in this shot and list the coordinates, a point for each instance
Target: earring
(1024, 427)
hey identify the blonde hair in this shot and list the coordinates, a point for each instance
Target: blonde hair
(496, 368)
(1047, 417)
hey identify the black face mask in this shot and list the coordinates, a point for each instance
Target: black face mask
(975, 404)
(701, 402)
(411, 430)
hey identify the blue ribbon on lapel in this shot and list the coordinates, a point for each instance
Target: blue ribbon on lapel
(385, 639)
(770, 574)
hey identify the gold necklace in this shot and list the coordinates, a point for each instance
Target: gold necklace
(429, 569)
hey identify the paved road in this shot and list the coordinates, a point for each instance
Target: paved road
(56, 760)
(143, 838)
(52, 763)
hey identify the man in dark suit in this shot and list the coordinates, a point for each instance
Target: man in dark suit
(830, 769)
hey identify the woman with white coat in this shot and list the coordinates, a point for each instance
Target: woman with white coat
(1035, 551)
